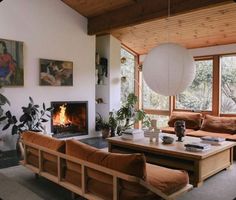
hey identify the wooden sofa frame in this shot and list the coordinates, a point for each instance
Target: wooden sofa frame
(82, 191)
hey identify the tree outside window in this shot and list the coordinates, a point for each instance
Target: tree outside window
(152, 100)
(127, 74)
(198, 96)
(228, 84)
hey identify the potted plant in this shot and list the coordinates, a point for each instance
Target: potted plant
(106, 129)
(128, 115)
(32, 119)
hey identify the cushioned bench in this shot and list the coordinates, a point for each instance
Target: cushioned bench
(96, 174)
(199, 126)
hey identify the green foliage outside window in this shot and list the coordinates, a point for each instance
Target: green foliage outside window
(198, 96)
(228, 84)
(152, 100)
(127, 74)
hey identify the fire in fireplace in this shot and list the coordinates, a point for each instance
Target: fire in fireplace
(69, 118)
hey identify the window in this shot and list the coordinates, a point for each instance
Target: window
(152, 100)
(161, 120)
(228, 84)
(198, 96)
(127, 74)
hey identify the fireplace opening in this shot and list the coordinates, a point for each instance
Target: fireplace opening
(69, 118)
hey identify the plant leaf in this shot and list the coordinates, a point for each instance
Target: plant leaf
(50, 109)
(8, 114)
(44, 106)
(14, 130)
(6, 126)
(44, 120)
(3, 118)
(31, 100)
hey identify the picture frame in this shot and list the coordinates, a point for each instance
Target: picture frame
(11, 63)
(55, 72)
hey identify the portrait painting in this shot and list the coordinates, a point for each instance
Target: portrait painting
(11, 63)
(56, 72)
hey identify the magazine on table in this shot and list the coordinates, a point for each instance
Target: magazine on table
(197, 146)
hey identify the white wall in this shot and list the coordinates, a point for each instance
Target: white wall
(109, 47)
(50, 29)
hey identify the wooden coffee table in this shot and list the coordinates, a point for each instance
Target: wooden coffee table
(200, 165)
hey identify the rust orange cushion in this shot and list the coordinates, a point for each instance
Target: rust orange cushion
(44, 140)
(166, 180)
(219, 124)
(132, 164)
(192, 120)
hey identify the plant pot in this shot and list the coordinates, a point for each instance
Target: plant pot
(106, 133)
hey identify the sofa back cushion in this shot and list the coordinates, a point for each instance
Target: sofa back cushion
(192, 120)
(44, 140)
(132, 164)
(219, 124)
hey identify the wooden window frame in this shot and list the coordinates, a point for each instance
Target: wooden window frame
(200, 58)
(216, 90)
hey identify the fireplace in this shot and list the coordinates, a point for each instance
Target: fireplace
(69, 118)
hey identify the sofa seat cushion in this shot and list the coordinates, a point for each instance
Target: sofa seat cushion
(44, 141)
(201, 133)
(219, 124)
(171, 130)
(192, 120)
(104, 191)
(132, 164)
(165, 179)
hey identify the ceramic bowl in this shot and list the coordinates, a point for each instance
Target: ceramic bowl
(167, 139)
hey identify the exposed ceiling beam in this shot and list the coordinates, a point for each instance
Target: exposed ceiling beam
(143, 11)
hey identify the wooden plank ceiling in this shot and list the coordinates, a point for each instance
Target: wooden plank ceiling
(213, 25)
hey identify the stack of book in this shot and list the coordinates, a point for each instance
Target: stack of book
(212, 140)
(133, 134)
(197, 147)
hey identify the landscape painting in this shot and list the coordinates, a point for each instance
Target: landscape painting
(56, 72)
(11, 63)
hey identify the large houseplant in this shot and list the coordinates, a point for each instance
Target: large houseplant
(32, 118)
(128, 115)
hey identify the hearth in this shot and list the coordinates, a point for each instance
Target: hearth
(69, 118)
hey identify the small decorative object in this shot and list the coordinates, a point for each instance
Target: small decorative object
(180, 129)
(99, 100)
(167, 139)
(154, 131)
(11, 65)
(102, 71)
(56, 73)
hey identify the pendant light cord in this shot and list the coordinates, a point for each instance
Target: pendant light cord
(168, 22)
(168, 41)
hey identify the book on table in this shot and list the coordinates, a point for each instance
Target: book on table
(212, 140)
(132, 134)
(197, 146)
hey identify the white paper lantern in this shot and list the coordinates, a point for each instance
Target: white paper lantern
(168, 69)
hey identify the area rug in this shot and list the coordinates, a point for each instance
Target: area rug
(41, 187)
(97, 142)
(11, 190)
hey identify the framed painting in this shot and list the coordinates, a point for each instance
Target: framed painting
(11, 63)
(56, 72)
